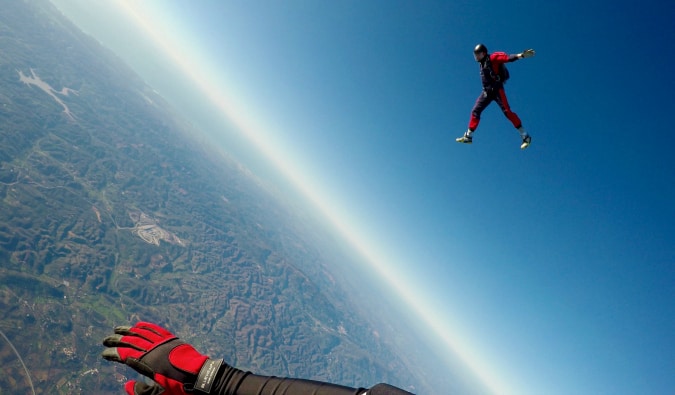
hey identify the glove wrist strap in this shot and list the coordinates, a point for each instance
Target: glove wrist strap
(207, 375)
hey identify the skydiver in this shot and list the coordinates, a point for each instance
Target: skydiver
(493, 90)
(178, 369)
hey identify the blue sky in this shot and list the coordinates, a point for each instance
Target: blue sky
(551, 269)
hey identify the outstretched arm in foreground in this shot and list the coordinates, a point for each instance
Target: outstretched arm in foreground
(178, 369)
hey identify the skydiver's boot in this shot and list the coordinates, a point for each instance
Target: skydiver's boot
(526, 138)
(467, 138)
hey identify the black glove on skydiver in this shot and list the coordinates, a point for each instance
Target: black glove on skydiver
(176, 367)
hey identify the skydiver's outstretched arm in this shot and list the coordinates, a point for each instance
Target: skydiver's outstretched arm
(178, 369)
(503, 57)
(236, 382)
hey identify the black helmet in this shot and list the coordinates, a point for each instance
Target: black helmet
(480, 48)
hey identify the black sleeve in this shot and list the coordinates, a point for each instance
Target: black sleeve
(386, 389)
(233, 381)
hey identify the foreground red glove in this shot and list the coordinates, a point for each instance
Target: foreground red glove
(151, 350)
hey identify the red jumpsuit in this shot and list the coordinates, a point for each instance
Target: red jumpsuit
(493, 89)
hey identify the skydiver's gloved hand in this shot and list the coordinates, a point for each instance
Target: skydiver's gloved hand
(178, 369)
(152, 351)
(528, 53)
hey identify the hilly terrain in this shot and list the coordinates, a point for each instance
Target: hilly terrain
(114, 210)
